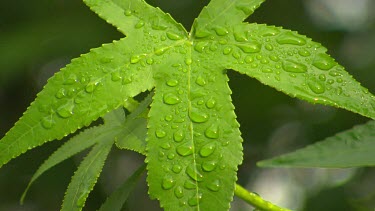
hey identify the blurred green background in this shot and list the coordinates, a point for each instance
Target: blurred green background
(37, 38)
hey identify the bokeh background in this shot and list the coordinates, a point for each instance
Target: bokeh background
(37, 38)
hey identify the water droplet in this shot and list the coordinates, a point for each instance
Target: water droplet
(290, 38)
(249, 59)
(115, 76)
(189, 184)
(199, 46)
(61, 93)
(126, 80)
(150, 61)
(188, 61)
(250, 47)
(185, 149)
(194, 173)
(176, 169)
(322, 77)
(160, 133)
(197, 116)
(240, 36)
(201, 33)
(200, 81)
(236, 55)
(47, 122)
(323, 62)
(247, 8)
(207, 149)
(210, 103)
(214, 186)
(173, 36)
(168, 182)
(172, 82)
(171, 156)
(71, 79)
(269, 47)
(209, 166)
(160, 51)
(316, 86)
(128, 12)
(304, 52)
(270, 31)
(267, 70)
(335, 73)
(136, 58)
(179, 135)
(212, 131)
(223, 41)
(294, 67)
(179, 192)
(171, 99)
(221, 31)
(274, 58)
(90, 87)
(227, 50)
(66, 110)
(165, 145)
(140, 24)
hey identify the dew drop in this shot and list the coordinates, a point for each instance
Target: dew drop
(140, 24)
(160, 51)
(270, 31)
(168, 118)
(207, 149)
(172, 82)
(176, 169)
(236, 55)
(115, 76)
(221, 31)
(65, 111)
(269, 47)
(249, 59)
(128, 12)
(209, 166)
(160, 133)
(165, 145)
(71, 79)
(179, 192)
(200, 81)
(185, 149)
(316, 86)
(150, 61)
(304, 53)
(323, 62)
(214, 186)
(193, 173)
(212, 131)
(126, 80)
(188, 61)
(171, 156)
(274, 58)
(173, 36)
(189, 185)
(290, 38)
(197, 116)
(47, 122)
(227, 50)
(200, 46)
(240, 36)
(267, 70)
(211, 103)
(294, 67)
(171, 99)
(335, 73)
(90, 87)
(61, 93)
(201, 33)
(168, 182)
(322, 77)
(179, 135)
(250, 47)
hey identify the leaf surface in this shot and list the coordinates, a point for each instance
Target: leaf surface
(351, 148)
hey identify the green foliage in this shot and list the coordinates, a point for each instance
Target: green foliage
(193, 145)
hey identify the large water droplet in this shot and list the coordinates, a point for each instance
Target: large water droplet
(160, 133)
(214, 186)
(316, 86)
(172, 82)
(171, 99)
(179, 135)
(250, 47)
(323, 62)
(294, 67)
(197, 116)
(290, 38)
(211, 103)
(221, 31)
(193, 173)
(176, 169)
(185, 149)
(212, 131)
(200, 81)
(66, 110)
(168, 182)
(209, 166)
(207, 149)
(47, 122)
(173, 36)
(179, 192)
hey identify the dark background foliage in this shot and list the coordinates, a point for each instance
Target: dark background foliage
(39, 37)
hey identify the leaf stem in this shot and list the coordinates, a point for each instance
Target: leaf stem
(255, 200)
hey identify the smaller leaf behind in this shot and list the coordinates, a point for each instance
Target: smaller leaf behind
(118, 198)
(85, 177)
(351, 148)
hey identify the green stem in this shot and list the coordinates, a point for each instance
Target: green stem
(255, 200)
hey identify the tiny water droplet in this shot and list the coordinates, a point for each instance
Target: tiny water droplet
(221, 31)
(140, 24)
(201, 33)
(185, 149)
(290, 38)
(193, 173)
(294, 67)
(179, 192)
(211, 103)
(209, 166)
(168, 182)
(197, 116)
(171, 99)
(172, 82)
(323, 62)
(236, 55)
(176, 169)
(212, 131)
(179, 135)
(335, 73)
(250, 47)
(214, 186)
(322, 77)
(247, 8)
(207, 149)
(171, 156)
(66, 110)
(47, 122)
(160, 133)
(200, 81)
(316, 86)
(274, 58)
(173, 36)
(249, 59)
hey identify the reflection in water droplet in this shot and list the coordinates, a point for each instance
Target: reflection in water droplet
(171, 99)
(211, 103)
(323, 62)
(316, 86)
(250, 47)
(179, 192)
(290, 38)
(160, 133)
(172, 82)
(214, 186)
(212, 131)
(200, 81)
(294, 67)
(47, 122)
(168, 182)
(209, 166)
(179, 135)
(197, 116)
(66, 110)
(193, 173)
(185, 149)
(207, 149)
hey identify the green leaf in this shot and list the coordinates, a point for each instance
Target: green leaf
(133, 135)
(86, 176)
(117, 199)
(351, 148)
